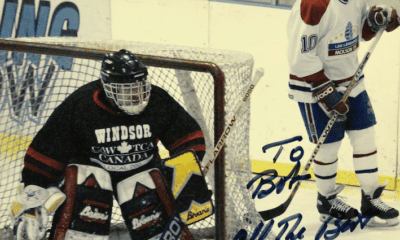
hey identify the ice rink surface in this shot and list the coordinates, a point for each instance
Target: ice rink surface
(304, 203)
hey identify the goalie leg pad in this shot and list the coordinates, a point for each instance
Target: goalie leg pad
(188, 185)
(147, 204)
(87, 211)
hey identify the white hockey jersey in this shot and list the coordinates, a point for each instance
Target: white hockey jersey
(324, 37)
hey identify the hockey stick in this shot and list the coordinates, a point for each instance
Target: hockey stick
(218, 147)
(272, 213)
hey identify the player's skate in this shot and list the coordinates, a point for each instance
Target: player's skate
(373, 206)
(334, 206)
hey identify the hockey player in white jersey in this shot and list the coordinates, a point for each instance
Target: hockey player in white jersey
(324, 37)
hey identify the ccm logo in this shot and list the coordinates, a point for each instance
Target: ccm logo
(325, 93)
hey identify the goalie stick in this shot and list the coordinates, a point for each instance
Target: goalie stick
(218, 147)
(272, 213)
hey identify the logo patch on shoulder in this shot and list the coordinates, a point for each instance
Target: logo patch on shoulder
(344, 42)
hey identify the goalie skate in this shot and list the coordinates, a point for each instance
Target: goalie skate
(374, 206)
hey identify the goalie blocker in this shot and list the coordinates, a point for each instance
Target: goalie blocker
(154, 203)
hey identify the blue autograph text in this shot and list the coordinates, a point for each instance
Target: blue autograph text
(242, 234)
(341, 227)
(260, 234)
(272, 173)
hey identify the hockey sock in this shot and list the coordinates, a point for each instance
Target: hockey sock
(366, 168)
(365, 160)
(325, 176)
(325, 167)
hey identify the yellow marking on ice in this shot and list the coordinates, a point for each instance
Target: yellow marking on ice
(343, 177)
(12, 144)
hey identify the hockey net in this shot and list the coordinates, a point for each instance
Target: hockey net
(36, 75)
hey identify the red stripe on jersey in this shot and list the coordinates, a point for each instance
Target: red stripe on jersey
(364, 155)
(310, 78)
(44, 159)
(100, 104)
(187, 138)
(343, 80)
(33, 168)
(318, 77)
(313, 10)
(196, 148)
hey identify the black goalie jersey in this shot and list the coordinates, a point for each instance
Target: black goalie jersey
(87, 129)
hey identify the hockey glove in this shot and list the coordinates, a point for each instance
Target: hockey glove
(383, 16)
(31, 208)
(330, 100)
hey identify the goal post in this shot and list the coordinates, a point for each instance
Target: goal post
(36, 75)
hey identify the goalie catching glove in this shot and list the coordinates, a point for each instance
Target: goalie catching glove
(330, 99)
(30, 211)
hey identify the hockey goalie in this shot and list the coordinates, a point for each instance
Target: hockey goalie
(100, 144)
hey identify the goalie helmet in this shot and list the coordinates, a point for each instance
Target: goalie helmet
(124, 78)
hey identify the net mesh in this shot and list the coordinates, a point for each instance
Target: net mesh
(32, 85)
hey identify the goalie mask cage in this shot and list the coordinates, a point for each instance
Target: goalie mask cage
(36, 75)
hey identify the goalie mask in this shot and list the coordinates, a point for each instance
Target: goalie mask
(124, 79)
